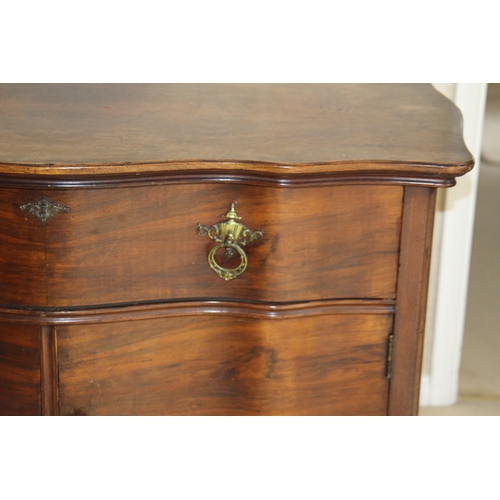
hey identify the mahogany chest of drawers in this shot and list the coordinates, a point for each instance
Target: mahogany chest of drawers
(218, 249)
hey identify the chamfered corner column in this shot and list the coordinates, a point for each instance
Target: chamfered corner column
(48, 371)
(411, 299)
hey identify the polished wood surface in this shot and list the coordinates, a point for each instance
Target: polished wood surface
(49, 371)
(409, 322)
(132, 312)
(56, 129)
(224, 365)
(141, 244)
(19, 370)
(22, 251)
(109, 307)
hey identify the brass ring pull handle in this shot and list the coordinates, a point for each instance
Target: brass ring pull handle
(231, 235)
(227, 274)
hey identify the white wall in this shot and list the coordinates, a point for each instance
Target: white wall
(451, 259)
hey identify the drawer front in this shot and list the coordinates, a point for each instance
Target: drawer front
(141, 244)
(223, 365)
(134, 244)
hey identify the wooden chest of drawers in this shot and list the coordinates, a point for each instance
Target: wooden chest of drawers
(218, 249)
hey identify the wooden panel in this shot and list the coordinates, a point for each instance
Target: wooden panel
(223, 365)
(49, 371)
(19, 370)
(22, 255)
(141, 243)
(418, 220)
(67, 126)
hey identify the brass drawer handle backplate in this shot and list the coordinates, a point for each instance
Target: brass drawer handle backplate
(231, 235)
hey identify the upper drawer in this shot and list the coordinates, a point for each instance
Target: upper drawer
(129, 244)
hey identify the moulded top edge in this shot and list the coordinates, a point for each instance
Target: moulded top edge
(256, 169)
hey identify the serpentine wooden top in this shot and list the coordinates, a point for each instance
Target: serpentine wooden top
(319, 129)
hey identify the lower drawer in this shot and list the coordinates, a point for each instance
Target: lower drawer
(226, 365)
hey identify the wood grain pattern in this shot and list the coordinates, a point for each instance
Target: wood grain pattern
(49, 371)
(100, 129)
(409, 322)
(225, 365)
(19, 370)
(22, 251)
(111, 308)
(141, 244)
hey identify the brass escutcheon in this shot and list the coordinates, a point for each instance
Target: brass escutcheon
(231, 235)
(44, 209)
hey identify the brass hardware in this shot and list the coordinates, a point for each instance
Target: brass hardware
(44, 209)
(388, 367)
(230, 235)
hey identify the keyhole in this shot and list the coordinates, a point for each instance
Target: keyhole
(43, 208)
